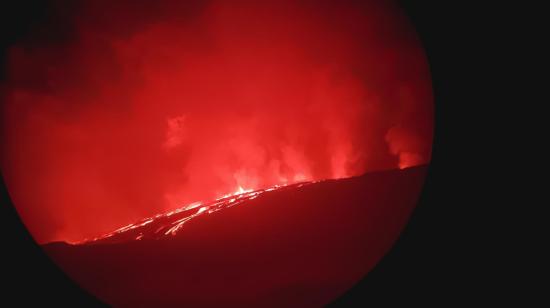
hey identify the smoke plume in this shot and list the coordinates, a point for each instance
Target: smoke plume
(116, 110)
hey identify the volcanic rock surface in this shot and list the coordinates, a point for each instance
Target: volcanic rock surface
(300, 245)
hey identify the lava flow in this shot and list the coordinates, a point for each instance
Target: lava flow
(300, 245)
(170, 223)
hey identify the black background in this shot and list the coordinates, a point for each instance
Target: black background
(434, 261)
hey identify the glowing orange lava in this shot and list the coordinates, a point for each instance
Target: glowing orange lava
(171, 223)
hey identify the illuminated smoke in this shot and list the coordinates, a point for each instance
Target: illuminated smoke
(130, 109)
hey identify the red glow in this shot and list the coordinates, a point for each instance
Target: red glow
(135, 112)
(172, 222)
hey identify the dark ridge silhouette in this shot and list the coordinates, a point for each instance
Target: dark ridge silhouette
(294, 247)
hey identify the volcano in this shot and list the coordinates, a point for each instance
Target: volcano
(299, 245)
